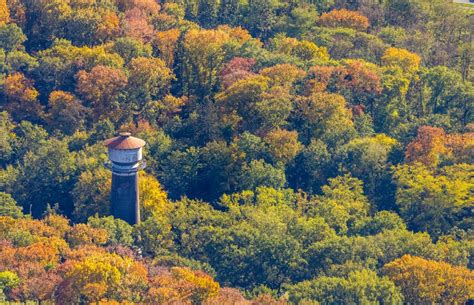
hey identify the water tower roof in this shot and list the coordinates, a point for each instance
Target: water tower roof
(124, 141)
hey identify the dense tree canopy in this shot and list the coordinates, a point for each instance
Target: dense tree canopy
(302, 152)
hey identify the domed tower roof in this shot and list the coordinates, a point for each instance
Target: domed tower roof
(124, 141)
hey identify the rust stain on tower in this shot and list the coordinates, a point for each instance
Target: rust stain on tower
(125, 154)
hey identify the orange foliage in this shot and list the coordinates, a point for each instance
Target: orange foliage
(181, 285)
(165, 43)
(21, 97)
(20, 88)
(101, 87)
(10, 227)
(4, 12)
(283, 145)
(429, 147)
(432, 146)
(82, 234)
(238, 34)
(361, 77)
(37, 252)
(319, 78)
(344, 18)
(429, 282)
(33, 265)
(109, 26)
(143, 126)
(355, 77)
(461, 145)
(91, 273)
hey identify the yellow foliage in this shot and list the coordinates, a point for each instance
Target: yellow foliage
(430, 282)
(182, 285)
(204, 286)
(307, 50)
(82, 234)
(19, 88)
(153, 199)
(106, 275)
(204, 44)
(283, 74)
(58, 222)
(108, 27)
(408, 61)
(165, 42)
(239, 34)
(304, 49)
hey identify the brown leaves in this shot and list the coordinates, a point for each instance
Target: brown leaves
(355, 76)
(135, 25)
(101, 87)
(22, 98)
(433, 146)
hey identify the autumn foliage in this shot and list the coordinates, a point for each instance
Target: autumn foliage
(426, 281)
(37, 263)
(293, 149)
(433, 146)
(345, 18)
(409, 62)
(4, 12)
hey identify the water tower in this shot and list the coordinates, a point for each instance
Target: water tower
(125, 154)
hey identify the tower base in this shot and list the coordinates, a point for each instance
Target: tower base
(124, 203)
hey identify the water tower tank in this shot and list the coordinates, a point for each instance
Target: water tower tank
(125, 154)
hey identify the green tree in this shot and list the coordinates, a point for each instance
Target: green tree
(119, 232)
(342, 204)
(258, 173)
(129, 48)
(369, 159)
(360, 287)
(149, 80)
(11, 37)
(433, 202)
(8, 206)
(311, 168)
(323, 116)
(91, 194)
(45, 176)
(261, 17)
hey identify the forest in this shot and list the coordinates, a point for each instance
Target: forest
(298, 151)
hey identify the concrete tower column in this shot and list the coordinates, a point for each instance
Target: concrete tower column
(125, 154)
